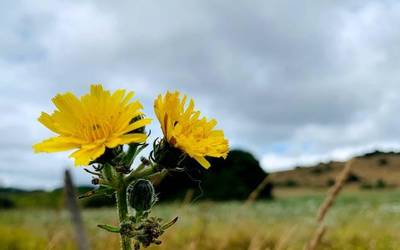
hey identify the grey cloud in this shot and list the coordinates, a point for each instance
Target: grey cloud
(282, 78)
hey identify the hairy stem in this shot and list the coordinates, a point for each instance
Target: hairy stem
(123, 213)
(123, 182)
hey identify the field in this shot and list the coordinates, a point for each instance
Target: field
(359, 220)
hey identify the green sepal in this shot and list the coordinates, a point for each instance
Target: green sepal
(133, 151)
(109, 174)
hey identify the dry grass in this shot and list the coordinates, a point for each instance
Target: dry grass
(316, 238)
(359, 220)
(327, 204)
(242, 210)
(334, 191)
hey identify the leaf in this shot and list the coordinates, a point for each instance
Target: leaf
(97, 192)
(169, 224)
(109, 228)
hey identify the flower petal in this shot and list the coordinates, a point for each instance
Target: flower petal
(83, 156)
(203, 162)
(56, 144)
(135, 125)
(133, 138)
(48, 121)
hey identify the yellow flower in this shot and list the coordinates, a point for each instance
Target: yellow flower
(183, 129)
(97, 120)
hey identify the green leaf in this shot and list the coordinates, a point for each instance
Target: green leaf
(97, 192)
(169, 224)
(109, 228)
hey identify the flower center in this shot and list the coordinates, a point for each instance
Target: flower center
(96, 128)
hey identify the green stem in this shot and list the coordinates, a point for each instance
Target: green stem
(123, 213)
(130, 154)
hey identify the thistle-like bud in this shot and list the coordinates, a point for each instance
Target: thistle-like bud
(149, 231)
(141, 195)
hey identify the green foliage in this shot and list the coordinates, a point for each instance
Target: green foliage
(379, 153)
(380, 183)
(366, 185)
(6, 203)
(382, 162)
(322, 168)
(330, 182)
(352, 177)
(98, 201)
(231, 179)
(35, 199)
(290, 183)
(16, 198)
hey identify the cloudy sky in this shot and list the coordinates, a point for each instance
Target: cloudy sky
(293, 82)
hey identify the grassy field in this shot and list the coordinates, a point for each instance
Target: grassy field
(359, 220)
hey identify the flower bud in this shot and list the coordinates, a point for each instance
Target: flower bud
(166, 155)
(95, 181)
(141, 195)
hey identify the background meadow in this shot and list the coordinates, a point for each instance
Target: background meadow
(359, 220)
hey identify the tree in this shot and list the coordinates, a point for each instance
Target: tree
(231, 179)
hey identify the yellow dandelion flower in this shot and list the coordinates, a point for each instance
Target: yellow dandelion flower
(91, 123)
(184, 129)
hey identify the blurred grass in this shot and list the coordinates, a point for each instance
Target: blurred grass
(359, 220)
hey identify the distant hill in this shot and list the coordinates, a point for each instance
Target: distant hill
(372, 170)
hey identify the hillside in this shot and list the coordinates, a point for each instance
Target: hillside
(376, 169)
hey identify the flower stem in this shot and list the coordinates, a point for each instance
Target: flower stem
(123, 214)
(122, 184)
